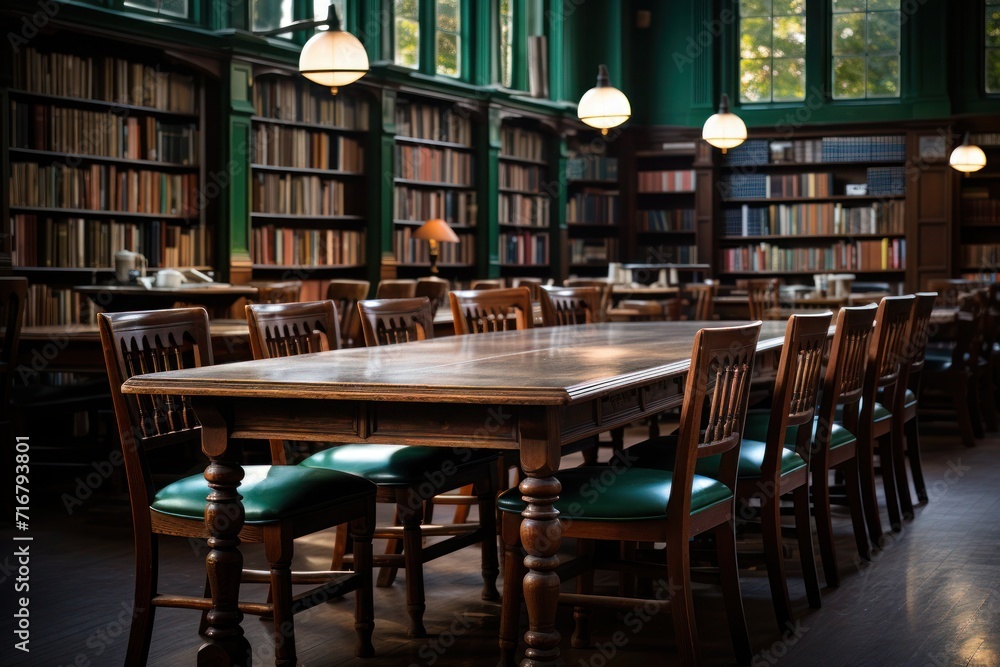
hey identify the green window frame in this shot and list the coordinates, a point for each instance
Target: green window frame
(772, 51)
(448, 38)
(406, 33)
(171, 9)
(991, 47)
(866, 44)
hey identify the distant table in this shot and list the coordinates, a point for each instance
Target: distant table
(216, 298)
(667, 272)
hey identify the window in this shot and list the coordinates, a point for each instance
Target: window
(322, 7)
(406, 47)
(772, 50)
(506, 43)
(866, 39)
(172, 8)
(270, 14)
(993, 46)
(449, 41)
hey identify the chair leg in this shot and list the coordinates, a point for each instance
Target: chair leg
(462, 511)
(203, 623)
(413, 559)
(869, 498)
(853, 490)
(824, 526)
(590, 453)
(387, 574)
(340, 547)
(584, 586)
(807, 554)
(513, 574)
(975, 414)
(487, 493)
(987, 401)
(899, 470)
(888, 468)
(146, 574)
(364, 606)
(725, 545)
(278, 550)
(770, 520)
(682, 603)
(912, 430)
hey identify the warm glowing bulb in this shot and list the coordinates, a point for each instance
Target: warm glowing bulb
(333, 57)
(603, 106)
(724, 130)
(967, 157)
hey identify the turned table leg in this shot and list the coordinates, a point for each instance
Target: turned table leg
(224, 515)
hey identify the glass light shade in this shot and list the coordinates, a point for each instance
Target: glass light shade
(333, 58)
(603, 106)
(436, 230)
(967, 157)
(724, 129)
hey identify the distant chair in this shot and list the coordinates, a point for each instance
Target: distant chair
(703, 295)
(950, 290)
(483, 311)
(762, 298)
(391, 321)
(396, 289)
(562, 306)
(435, 289)
(345, 294)
(287, 291)
(487, 283)
(603, 289)
(534, 286)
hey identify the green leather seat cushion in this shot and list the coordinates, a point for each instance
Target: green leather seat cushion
(881, 412)
(270, 493)
(908, 400)
(660, 452)
(758, 421)
(631, 494)
(398, 464)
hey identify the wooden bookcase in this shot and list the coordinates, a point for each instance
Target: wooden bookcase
(977, 210)
(308, 180)
(663, 210)
(594, 206)
(105, 152)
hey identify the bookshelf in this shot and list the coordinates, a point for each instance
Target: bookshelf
(664, 215)
(433, 177)
(978, 212)
(796, 207)
(105, 153)
(308, 181)
(525, 204)
(593, 208)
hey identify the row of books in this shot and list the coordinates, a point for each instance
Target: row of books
(44, 127)
(985, 255)
(527, 210)
(592, 207)
(592, 168)
(673, 180)
(83, 243)
(672, 220)
(980, 211)
(883, 148)
(106, 79)
(299, 101)
(521, 177)
(284, 246)
(458, 208)
(296, 194)
(524, 248)
(424, 163)
(48, 305)
(985, 138)
(409, 250)
(104, 188)
(766, 186)
(672, 254)
(424, 121)
(525, 144)
(826, 218)
(292, 147)
(886, 181)
(593, 251)
(875, 255)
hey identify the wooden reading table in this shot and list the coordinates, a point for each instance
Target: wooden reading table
(533, 391)
(217, 298)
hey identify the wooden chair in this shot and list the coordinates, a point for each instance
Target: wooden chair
(949, 290)
(482, 311)
(282, 502)
(345, 294)
(534, 286)
(435, 289)
(762, 298)
(278, 292)
(487, 283)
(634, 504)
(396, 289)
(391, 321)
(563, 306)
(774, 456)
(400, 472)
(703, 295)
(603, 289)
(287, 329)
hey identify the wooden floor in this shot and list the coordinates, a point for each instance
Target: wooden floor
(931, 598)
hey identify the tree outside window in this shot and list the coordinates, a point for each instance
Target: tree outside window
(866, 48)
(172, 8)
(992, 46)
(449, 40)
(506, 43)
(772, 50)
(406, 16)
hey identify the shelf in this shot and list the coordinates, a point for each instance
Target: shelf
(666, 232)
(32, 153)
(418, 223)
(809, 237)
(59, 100)
(523, 160)
(523, 266)
(603, 265)
(667, 192)
(590, 224)
(424, 265)
(304, 125)
(592, 181)
(432, 142)
(431, 184)
(84, 213)
(307, 170)
(515, 225)
(809, 273)
(282, 217)
(529, 193)
(306, 268)
(807, 165)
(814, 200)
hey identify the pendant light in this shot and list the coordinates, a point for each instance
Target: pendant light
(603, 106)
(725, 129)
(333, 57)
(967, 157)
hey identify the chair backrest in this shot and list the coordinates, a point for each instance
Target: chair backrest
(917, 334)
(562, 306)
(886, 356)
(969, 331)
(288, 329)
(391, 321)
(13, 294)
(435, 289)
(796, 387)
(281, 292)
(703, 295)
(396, 289)
(718, 381)
(150, 342)
(949, 290)
(487, 283)
(346, 294)
(534, 286)
(762, 297)
(603, 289)
(482, 311)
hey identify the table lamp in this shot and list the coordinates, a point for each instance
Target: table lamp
(434, 232)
